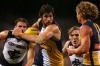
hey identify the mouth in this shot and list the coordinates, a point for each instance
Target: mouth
(74, 41)
(48, 23)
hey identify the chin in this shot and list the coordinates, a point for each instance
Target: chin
(76, 46)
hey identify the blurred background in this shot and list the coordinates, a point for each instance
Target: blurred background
(10, 10)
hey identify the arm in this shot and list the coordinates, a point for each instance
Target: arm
(67, 61)
(3, 34)
(51, 30)
(66, 44)
(85, 33)
(30, 54)
(65, 53)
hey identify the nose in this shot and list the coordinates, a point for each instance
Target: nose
(23, 28)
(48, 18)
(74, 36)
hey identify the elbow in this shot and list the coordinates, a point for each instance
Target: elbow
(81, 50)
(84, 51)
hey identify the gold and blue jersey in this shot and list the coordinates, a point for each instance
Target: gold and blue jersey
(92, 55)
(49, 53)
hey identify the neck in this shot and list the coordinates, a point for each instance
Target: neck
(84, 20)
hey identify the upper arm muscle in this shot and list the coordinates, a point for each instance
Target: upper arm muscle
(50, 31)
(85, 35)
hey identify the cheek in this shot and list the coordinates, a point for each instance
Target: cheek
(24, 29)
(44, 20)
(18, 27)
(52, 19)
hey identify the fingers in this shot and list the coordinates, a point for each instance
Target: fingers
(69, 51)
(16, 31)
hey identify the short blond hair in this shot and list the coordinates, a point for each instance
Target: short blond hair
(72, 29)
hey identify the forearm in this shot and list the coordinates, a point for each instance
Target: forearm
(30, 62)
(32, 38)
(28, 37)
(79, 50)
(83, 48)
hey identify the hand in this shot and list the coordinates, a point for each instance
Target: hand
(70, 51)
(16, 32)
(71, 47)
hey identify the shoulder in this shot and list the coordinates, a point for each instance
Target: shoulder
(85, 30)
(53, 27)
(4, 32)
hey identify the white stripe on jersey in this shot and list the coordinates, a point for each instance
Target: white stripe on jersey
(46, 61)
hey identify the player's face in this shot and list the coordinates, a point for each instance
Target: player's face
(47, 18)
(22, 26)
(74, 38)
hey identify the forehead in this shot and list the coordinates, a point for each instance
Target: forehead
(21, 23)
(48, 14)
(75, 32)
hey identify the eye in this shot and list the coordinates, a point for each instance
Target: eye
(71, 35)
(45, 16)
(22, 26)
(74, 35)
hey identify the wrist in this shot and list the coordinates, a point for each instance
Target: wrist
(38, 39)
(74, 51)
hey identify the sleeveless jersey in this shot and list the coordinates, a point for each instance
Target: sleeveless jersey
(92, 52)
(75, 60)
(50, 53)
(14, 49)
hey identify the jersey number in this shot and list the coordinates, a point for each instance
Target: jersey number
(14, 54)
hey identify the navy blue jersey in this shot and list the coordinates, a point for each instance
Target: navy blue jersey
(94, 38)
